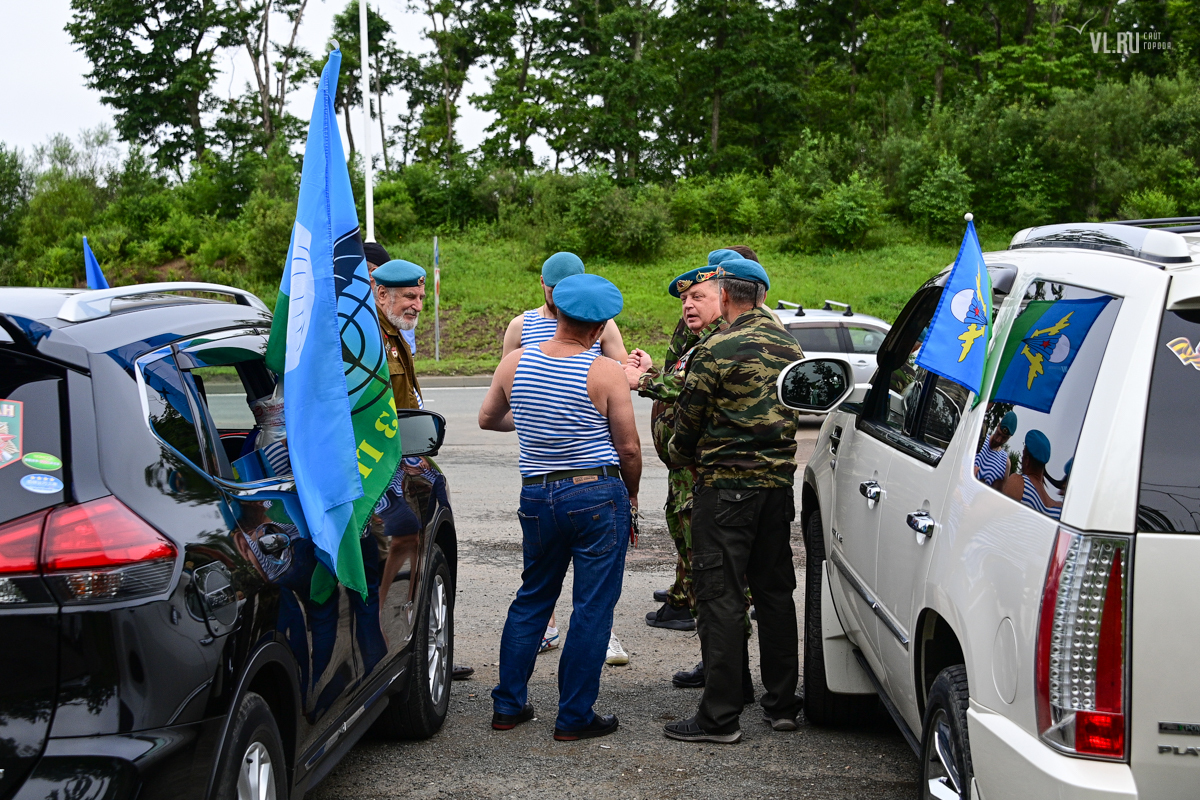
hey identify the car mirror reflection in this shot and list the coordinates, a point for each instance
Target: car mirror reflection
(421, 432)
(815, 385)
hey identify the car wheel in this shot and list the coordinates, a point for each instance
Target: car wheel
(252, 765)
(946, 770)
(421, 710)
(822, 706)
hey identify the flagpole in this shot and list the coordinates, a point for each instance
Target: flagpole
(437, 301)
(365, 87)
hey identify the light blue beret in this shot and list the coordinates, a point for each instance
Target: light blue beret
(717, 256)
(1009, 423)
(588, 298)
(745, 269)
(690, 278)
(1038, 446)
(559, 266)
(399, 273)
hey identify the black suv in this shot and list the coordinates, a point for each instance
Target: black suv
(167, 630)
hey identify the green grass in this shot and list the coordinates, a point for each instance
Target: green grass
(487, 281)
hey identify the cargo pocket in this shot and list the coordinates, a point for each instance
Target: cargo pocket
(595, 528)
(735, 507)
(708, 575)
(531, 538)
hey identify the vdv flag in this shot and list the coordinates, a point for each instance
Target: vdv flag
(956, 345)
(95, 277)
(1041, 348)
(325, 342)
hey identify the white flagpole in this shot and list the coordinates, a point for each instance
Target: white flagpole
(364, 79)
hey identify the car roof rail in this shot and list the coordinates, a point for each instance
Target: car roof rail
(782, 305)
(98, 303)
(1173, 224)
(849, 312)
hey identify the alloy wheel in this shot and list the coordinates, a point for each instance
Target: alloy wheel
(438, 641)
(256, 778)
(941, 779)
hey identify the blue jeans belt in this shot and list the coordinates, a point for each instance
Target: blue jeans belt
(562, 475)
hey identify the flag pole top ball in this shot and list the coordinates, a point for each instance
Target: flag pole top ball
(399, 273)
(968, 216)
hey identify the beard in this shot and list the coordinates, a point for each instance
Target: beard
(403, 322)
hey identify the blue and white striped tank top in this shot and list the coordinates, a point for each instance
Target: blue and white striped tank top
(536, 329)
(557, 424)
(1031, 498)
(993, 464)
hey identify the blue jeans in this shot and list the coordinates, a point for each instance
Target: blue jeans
(560, 522)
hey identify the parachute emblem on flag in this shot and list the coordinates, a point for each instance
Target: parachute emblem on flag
(1048, 344)
(969, 307)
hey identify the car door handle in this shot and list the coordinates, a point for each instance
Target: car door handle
(922, 523)
(835, 439)
(871, 490)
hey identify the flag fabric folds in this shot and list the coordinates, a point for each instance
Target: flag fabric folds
(95, 277)
(956, 344)
(1041, 348)
(325, 342)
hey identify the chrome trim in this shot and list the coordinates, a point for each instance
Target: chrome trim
(855, 584)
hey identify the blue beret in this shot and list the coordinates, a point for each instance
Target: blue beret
(1067, 468)
(399, 273)
(559, 266)
(717, 256)
(690, 278)
(745, 269)
(1038, 446)
(588, 298)
(1009, 423)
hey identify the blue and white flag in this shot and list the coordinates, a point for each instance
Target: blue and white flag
(957, 341)
(95, 277)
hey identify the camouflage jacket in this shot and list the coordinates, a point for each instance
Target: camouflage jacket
(729, 425)
(663, 386)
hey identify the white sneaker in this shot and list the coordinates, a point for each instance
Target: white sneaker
(549, 641)
(617, 656)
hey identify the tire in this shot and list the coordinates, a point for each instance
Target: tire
(945, 748)
(252, 765)
(822, 706)
(418, 712)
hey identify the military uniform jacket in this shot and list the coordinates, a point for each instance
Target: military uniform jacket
(400, 365)
(729, 424)
(664, 386)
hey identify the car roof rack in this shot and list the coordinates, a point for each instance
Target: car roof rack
(784, 304)
(849, 312)
(98, 303)
(1158, 245)
(1172, 224)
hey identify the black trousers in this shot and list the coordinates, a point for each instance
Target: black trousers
(742, 536)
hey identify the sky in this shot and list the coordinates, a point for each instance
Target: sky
(50, 95)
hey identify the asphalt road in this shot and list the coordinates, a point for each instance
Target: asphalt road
(469, 760)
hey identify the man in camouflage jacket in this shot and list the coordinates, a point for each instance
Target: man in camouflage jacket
(731, 429)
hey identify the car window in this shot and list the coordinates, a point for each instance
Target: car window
(172, 413)
(944, 406)
(816, 338)
(1169, 495)
(32, 460)
(1044, 379)
(865, 340)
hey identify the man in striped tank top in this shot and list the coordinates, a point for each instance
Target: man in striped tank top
(991, 462)
(537, 325)
(1028, 487)
(581, 464)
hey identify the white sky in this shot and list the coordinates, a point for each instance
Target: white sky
(45, 91)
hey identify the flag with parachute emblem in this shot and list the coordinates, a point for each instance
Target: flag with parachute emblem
(342, 430)
(957, 341)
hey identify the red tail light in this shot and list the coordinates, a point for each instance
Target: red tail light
(1082, 636)
(20, 541)
(102, 533)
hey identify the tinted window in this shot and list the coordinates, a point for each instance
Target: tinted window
(1169, 496)
(31, 454)
(865, 340)
(171, 416)
(944, 406)
(817, 339)
(1047, 370)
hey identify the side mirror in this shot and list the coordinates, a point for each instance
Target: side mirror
(421, 432)
(815, 385)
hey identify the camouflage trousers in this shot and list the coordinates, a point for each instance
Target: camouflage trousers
(679, 526)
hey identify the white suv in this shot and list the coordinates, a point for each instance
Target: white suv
(1018, 582)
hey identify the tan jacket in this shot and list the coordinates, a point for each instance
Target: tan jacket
(405, 385)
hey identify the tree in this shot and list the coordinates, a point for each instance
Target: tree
(253, 23)
(15, 182)
(456, 49)
(153, 61)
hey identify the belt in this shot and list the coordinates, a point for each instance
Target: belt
(562, 475)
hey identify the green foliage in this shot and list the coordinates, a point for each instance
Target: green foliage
(942, 198)
(1149, 204)
(846, 212)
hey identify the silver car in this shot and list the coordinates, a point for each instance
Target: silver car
(836, 331)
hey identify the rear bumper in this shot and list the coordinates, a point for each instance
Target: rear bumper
(168, 763)
(1009, 762)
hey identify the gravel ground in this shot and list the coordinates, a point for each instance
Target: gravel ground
(467, 759)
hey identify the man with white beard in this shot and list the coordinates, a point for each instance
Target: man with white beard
(399, 298)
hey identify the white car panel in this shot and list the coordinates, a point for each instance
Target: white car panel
(844, 674)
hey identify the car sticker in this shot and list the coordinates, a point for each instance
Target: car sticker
(1182, 349)
(41, 484)
(42, 461)
(11, 438)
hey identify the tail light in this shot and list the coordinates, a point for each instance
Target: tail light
(90, 552)
(1082, 636)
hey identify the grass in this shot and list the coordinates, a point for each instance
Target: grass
(488, 281)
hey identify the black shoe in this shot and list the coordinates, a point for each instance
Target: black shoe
(661, 595)
(688, 730)
(506, 722)
(600, 726)
(461, 673)
(676, 619)
(693, 679)
(781, 723)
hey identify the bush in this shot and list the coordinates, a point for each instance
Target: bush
(394, 214)
(939, 203)
(1149, 204)
(266, 224)
(846, 212)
